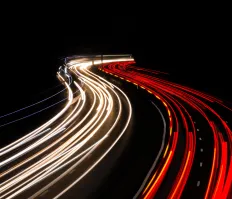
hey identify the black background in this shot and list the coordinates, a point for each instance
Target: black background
(196, 52)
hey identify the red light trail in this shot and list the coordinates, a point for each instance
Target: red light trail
(175, 98)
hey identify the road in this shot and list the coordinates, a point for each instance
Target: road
(122, 132)
(197, 160)
(97, 118)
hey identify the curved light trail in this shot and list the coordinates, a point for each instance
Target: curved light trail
(46, 152)
(181, 100)
(97, 114)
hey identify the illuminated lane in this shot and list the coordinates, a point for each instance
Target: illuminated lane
(193, 117)
(179, 142)
(77, 144)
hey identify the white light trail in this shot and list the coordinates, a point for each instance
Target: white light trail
(69, 143)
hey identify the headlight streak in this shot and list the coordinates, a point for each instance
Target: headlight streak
(107, 134)
(51, 170)
(46, 148)
(39, 142)
(58, 127)
(120, 135)
(42, 127)
(29, 138)
(21, 153)
(34, 113)
(21, 109)
(60, 157)
(25, 141)
(86, 154)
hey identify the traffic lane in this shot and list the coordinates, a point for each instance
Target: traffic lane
(128, 174)
(225, 116)
(30, 153)
(91, 182)
(50, 141)
(215, 132)
(18, 129)
(40, 118)
(178, 154)
(80, 169)
(114, 107)
(180, 149)
(175, 165)
(199, 175)
(15, 130)
(40, 147)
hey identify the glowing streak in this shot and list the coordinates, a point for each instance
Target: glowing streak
(169, 156)
(41, 128)
(83, 157)
(150, 183)
(211, 174)
(130, 112)
(39, 142)
(173, 194)
(166, 151)
(219, 178)
(25, 141)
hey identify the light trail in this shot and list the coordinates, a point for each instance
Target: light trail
(48, 136)
(179, 96)
(120, 135)
(156, 160)
(76, 136)
(39, 102)
(44, 126)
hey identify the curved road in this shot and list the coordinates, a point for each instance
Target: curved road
(124, 132)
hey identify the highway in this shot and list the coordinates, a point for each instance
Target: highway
(122, 131)
(97, 118)
(196, 161)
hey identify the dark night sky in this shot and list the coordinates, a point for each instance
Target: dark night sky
(196, 52)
